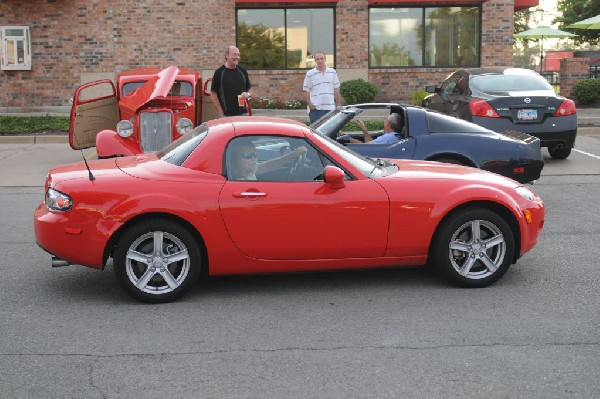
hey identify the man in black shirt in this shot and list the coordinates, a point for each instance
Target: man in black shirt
(230, 85)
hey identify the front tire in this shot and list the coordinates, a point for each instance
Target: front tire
(473, 248)
(157, 261)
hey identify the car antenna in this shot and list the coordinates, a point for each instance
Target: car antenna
(91, 176)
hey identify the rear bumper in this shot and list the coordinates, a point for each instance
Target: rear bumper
(78, 240)
(552, 131)
(523, 171)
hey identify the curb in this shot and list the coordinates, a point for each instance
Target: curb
(34, 139)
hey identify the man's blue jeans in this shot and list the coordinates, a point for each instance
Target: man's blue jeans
(315, 114)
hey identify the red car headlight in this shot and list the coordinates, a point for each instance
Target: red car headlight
(57, 201)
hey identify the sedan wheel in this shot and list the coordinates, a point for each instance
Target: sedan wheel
(559, 153)
(473, 247)
(156, 261)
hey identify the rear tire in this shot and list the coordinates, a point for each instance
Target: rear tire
(157, 261)
(473, 247)
(559, 153)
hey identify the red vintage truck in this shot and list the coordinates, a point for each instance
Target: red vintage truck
(147, 109)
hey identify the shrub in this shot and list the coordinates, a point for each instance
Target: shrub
(33, 124)
(417, 97)
(358, 91)
(587, 91)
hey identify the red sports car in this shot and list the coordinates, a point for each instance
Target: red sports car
(263, 195)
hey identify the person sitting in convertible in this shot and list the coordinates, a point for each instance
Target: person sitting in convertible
(391, 126)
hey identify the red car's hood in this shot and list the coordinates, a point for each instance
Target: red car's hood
(157, 86)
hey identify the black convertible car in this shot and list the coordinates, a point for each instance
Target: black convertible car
(433, 136)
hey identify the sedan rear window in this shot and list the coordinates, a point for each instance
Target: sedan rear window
(503, 83)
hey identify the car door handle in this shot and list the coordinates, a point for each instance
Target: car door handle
(248, 194)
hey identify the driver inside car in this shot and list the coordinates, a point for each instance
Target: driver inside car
(392, 126)
(244, 163)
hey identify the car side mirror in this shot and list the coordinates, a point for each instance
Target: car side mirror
(334, 177)
(431, 89)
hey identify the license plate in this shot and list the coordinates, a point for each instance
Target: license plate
(527, 114)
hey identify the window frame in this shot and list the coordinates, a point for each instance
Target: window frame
(423, 33)
(4, 56)
(285, 27)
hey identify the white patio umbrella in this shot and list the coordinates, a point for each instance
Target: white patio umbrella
(541, 33)
(589, 23)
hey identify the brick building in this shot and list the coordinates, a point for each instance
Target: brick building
(49, 47)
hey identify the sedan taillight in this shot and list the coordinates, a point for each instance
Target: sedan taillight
(566, 108)
(482, 108)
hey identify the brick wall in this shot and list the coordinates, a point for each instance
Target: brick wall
(76, 38)
(572, 70)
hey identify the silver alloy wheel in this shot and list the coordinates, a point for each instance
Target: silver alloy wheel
(477, 249)
(157, 262)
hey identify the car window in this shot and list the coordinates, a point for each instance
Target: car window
(449, 85)
(502, 83)
(181, 89)
(178, 88)
(369, 167)
(179, 150)
(273, 158)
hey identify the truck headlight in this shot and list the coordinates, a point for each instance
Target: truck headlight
(184, 125)
(125, 128)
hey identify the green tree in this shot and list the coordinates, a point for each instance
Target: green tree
(574, 11)
(261, 47)
(525, 52)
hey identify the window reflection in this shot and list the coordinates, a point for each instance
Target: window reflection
(284, 38)
(438, 36)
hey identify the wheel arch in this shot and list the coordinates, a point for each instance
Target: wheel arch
(503, 211)
(112, 242)
(453, 156)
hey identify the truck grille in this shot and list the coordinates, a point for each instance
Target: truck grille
(155, 130)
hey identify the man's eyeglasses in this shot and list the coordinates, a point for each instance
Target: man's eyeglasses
(249, 155)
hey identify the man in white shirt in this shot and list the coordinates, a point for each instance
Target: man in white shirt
(321, 88)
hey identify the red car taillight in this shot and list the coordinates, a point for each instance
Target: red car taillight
(566, 108)
(482, 108)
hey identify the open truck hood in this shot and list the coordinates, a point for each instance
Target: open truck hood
(157, 86)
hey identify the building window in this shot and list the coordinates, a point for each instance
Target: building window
(15, 48)
(430, 37)
(285, 38)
